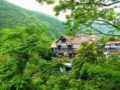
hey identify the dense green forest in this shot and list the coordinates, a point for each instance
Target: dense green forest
(26, 64)
(12, 16)
(26, 59)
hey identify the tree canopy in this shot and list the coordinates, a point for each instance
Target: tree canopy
(89, 12)
(27, 63)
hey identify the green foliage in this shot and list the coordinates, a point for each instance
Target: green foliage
(25, 55)
(103, 77)
(25, 58)
(88, 13)
(26, 64)
(87, 53)
(95, 71)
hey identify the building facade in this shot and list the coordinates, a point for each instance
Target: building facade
(66, 46)
(112, 48)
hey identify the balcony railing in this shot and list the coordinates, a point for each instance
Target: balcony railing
(114, 46)
(65, 50)
(111, 51)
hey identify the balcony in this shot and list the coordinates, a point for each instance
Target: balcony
(112, 46)
(112, 51)
(62, 50)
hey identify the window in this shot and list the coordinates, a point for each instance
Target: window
(69, 47)
(63, 40)
(66, 54)
(68, 68)
(59, 47)
(70, 55)
(76, 46)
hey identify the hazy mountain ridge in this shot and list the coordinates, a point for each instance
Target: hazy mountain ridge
(12, 16)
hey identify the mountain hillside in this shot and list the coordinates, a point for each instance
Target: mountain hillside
(12, 16)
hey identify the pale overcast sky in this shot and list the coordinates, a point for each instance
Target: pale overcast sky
(33, 5)
(47, 9)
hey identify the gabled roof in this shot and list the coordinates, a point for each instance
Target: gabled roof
(78, 39)
(67, 37)
(54, 42)
(81, 38)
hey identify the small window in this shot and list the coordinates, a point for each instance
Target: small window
(63, 40)
(69, 47)
(68, 68)
(66, 54)
(71, 55)
(59, 47)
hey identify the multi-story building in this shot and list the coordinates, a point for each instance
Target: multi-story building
(112, 48)
(67, 46)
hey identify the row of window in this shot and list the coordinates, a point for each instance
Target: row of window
(68, 46)
(112, 46)
(64, 47)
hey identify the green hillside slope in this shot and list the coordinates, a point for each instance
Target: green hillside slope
(12, 16)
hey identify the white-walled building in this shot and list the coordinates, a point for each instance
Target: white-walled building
(67, 46)
(112, 48)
